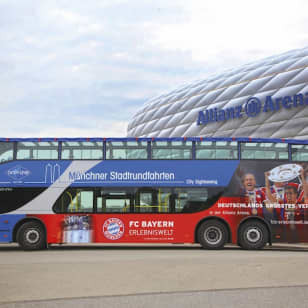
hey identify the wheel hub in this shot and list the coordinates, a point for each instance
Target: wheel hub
(32, 236)
(253, 235)
(213, 235)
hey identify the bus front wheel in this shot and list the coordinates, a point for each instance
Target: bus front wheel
(253, 235)
(31, 236)
(212, 234)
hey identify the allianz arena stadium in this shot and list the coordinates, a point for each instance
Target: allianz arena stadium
(263, 99)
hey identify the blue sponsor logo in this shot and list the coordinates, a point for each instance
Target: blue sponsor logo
(18, 172)
(253, 107)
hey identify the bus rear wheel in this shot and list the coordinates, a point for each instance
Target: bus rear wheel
(253, 235)
(31, 236)
(212, 234)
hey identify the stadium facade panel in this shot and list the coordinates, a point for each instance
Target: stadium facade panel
(264, 99)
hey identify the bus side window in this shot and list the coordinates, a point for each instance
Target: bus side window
(117, 205)
(101, 206)
(147, 202)
(86, 201)
(75, 201)
(299, 152)
(264, 150)
(6, 151)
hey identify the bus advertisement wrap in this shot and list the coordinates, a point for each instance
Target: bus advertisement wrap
(276, 193)
(257, 196)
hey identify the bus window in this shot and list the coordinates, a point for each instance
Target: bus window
(146, 203)
(6, 151)
(37, 150)
(13, 198)
(82, 150)
(216, 150)
(85, 199)
(99, 204)
(171, 150)
(263, 150)
(111, 200)
(164, 200)
(126, 150)
(299, 152)
(75, 201)
(154, 200)
(191, 200)
(117, 205)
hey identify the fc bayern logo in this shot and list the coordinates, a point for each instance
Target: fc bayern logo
(113, 228)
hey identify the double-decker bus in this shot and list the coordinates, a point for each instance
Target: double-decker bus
(211, 191)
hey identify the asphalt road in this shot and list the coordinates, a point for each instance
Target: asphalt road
(165, 276)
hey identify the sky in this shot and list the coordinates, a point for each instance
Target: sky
(84, 68)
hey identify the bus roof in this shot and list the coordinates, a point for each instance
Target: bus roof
(96, 139)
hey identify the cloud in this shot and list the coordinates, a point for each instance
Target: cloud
(217, 29)
(100, 129)
(77, 68)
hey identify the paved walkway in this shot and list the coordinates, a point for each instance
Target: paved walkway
(165, 274)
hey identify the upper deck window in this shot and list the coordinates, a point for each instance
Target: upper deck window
(216, 150)
(126, 150)
(37, 150)
(172, 150)
(6, 151)
(82, 150)
(264, 150)
(299, 152)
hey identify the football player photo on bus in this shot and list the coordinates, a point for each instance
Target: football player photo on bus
(278, 193)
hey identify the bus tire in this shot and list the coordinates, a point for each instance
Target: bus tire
(31, 236)
(212, 234)
(253, 235)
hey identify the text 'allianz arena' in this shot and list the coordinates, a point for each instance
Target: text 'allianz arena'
(263, 99)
